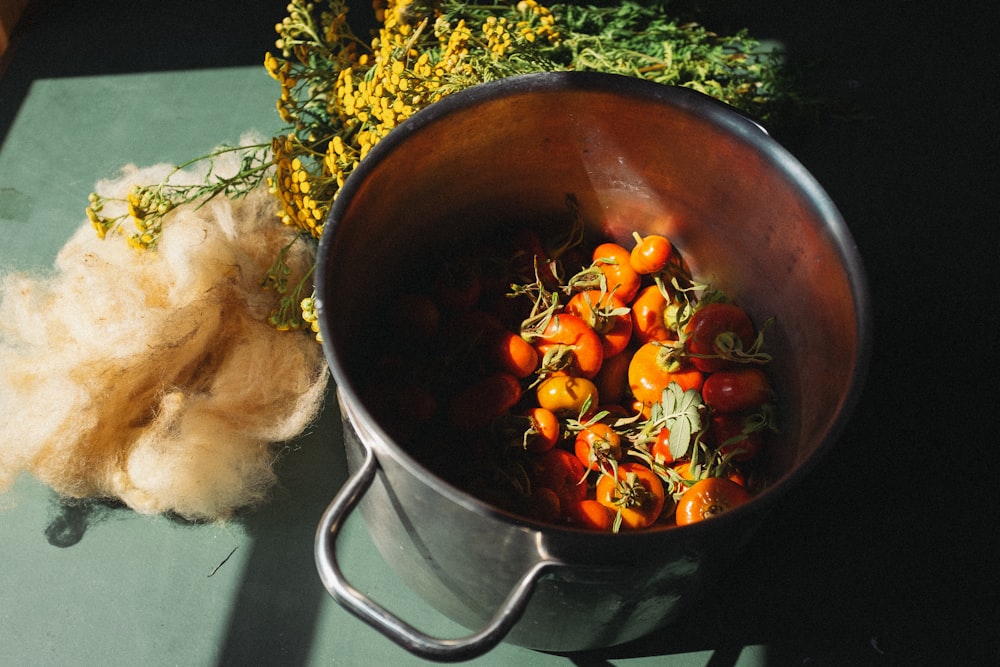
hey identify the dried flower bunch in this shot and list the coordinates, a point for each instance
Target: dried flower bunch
(341, 94)
(181, 405)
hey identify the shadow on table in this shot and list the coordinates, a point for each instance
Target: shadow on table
(273, 618)
(803, 592)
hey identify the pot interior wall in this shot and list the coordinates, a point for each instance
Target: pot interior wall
(743, 212)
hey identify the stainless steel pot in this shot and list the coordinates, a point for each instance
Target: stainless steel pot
(637, 156)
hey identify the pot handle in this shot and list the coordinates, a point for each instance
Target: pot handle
(377, 616)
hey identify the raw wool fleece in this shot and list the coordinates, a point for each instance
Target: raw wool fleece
(153, 377)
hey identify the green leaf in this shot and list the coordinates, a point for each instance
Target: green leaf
(680, 438)
(680, 412)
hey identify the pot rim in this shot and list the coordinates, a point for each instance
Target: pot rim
(707, 109)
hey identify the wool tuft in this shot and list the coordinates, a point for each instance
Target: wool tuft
(154, 377)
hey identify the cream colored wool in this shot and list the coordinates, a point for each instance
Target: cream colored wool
(153, 377)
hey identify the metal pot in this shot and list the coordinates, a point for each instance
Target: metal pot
(637, 156)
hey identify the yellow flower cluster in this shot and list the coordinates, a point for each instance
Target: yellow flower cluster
(381, 90)
(537, 22)
(309, 315)
(102, 225)
(498, 37)
(281, 72)
(146, 207)
(454, 55)
(296, 188)
(343, 106)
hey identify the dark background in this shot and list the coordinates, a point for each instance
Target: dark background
(885, 555)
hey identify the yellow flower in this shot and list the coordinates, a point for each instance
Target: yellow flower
(310, 316)
(293, 183)
(101, 225)
(271, 64)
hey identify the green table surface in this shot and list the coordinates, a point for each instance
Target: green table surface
(834, 578)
